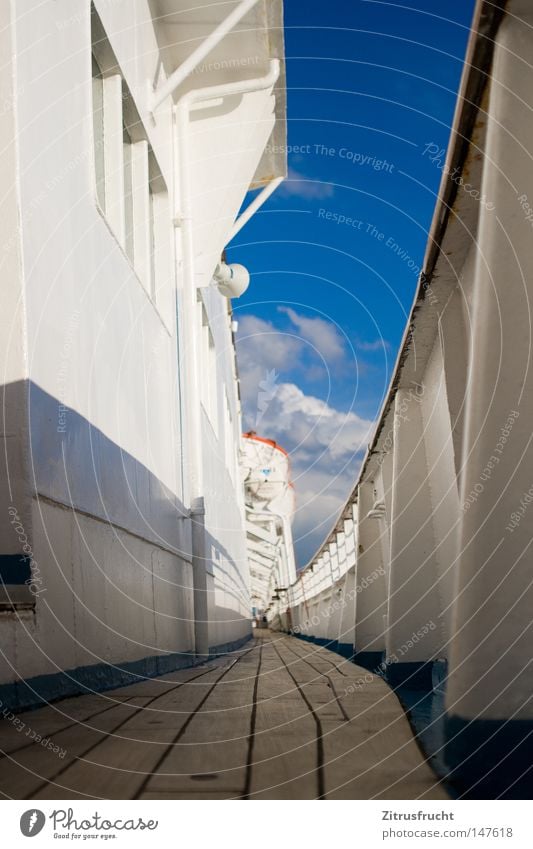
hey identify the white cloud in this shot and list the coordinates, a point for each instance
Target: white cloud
(321, 492)
(271, 345)
(299, 185)
(326, 448)
(375, 345)
(322, 334)
(310, 425)
(326, 444)
(314, 519)
(263, 348)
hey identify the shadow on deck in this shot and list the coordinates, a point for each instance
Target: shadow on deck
(280, 719)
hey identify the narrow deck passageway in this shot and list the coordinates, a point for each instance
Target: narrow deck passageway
(280, 719)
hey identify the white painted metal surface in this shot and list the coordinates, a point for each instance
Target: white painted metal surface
(113, 445)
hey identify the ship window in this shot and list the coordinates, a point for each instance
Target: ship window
(98, 130)
(128, 195)
(159, 240)
(229, 438)
(152, 241)
(208, 370)
(130, 188)
(213, 383)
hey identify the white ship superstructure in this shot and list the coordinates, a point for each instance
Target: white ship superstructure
(131, 133)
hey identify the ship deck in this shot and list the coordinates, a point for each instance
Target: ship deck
(281, 719)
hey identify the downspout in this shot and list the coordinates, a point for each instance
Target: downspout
(206, 46)
(183, 219)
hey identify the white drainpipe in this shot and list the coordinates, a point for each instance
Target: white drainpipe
(201, 52)
(183, 219)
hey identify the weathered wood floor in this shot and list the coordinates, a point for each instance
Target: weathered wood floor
(282, 719)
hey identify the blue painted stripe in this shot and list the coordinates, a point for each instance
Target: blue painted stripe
(15, 569)
(326, 643)
(413, 676)
(229, 648)
(370, 660)
(345, 650)
(425, 712)
(96, 678)
(490, 758)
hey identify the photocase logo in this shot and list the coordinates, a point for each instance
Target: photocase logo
(32, 822)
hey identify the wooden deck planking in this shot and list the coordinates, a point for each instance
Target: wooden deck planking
(284, 753)
(52, 719)
(212, 754)
(119, 764)
(22, 773)
(382, 759)
(282, 719)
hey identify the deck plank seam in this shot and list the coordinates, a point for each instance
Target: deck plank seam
(318, 723)
(325, 675)
(144, 784)
(93, 746)
(253, 719)
(325, 659)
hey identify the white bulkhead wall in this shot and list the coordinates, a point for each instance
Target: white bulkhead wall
(442, 479)
(15, 515)
(413, 598)
(494, 591)
(101, 365)
(227, 570)
(106, 360)
(456, 338)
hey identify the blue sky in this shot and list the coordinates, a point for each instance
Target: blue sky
(334, 254)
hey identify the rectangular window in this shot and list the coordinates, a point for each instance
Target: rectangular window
(128, 196)
(130, 188)
(228, 438)
(98, 131)
(152, 243)
(161, 269)
(213, 383)
(208, 368)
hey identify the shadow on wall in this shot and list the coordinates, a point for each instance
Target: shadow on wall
(95, 555)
